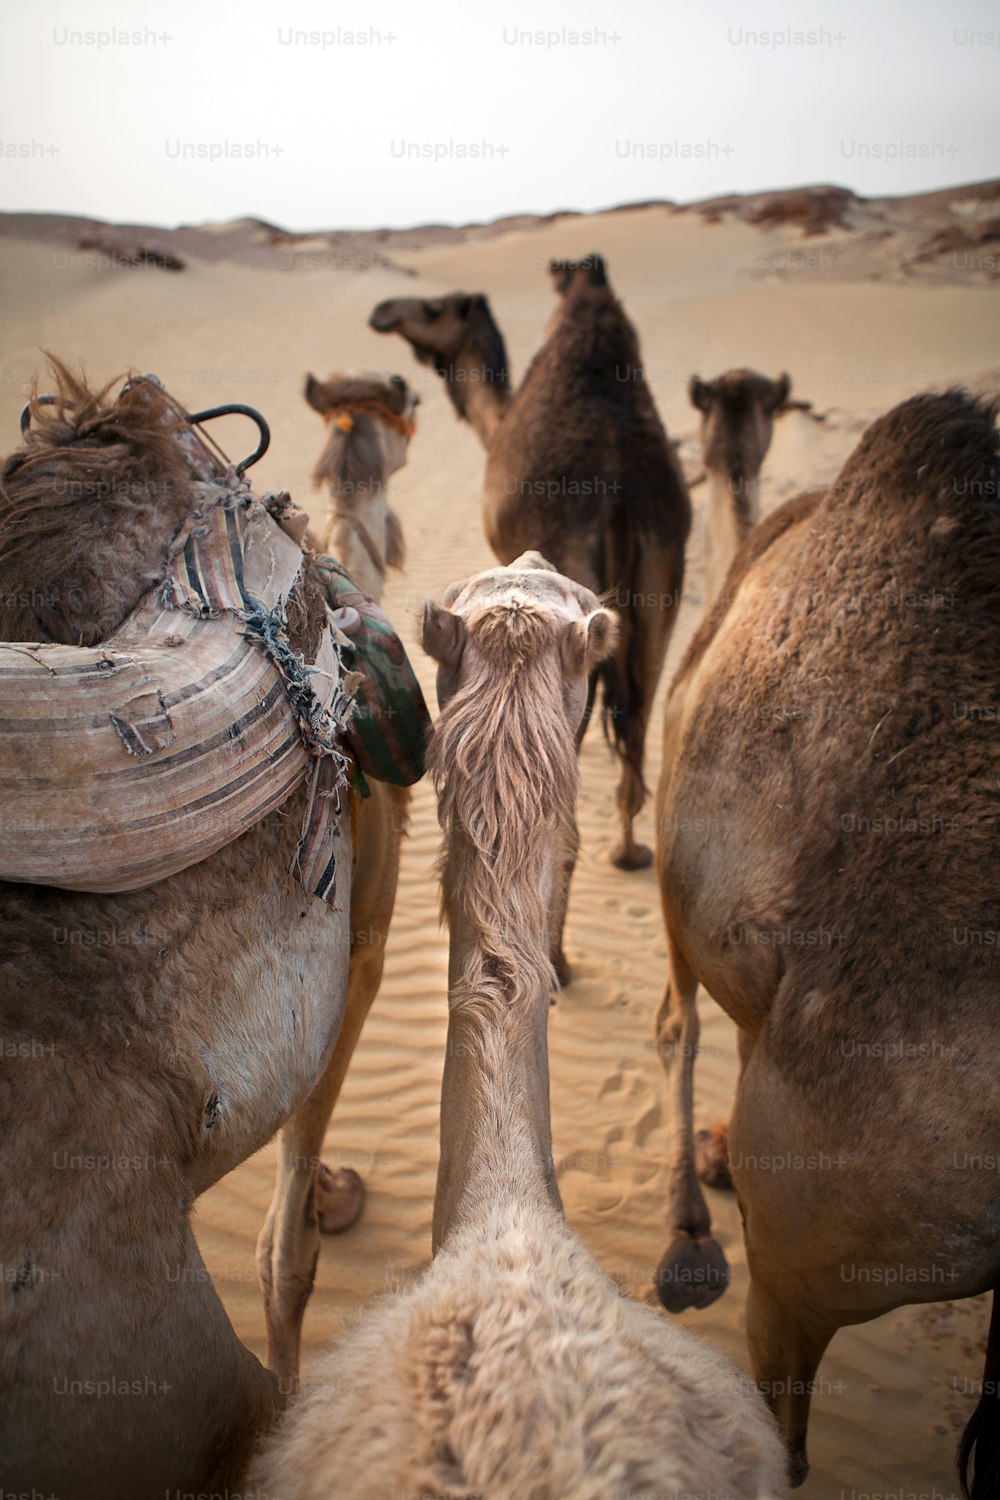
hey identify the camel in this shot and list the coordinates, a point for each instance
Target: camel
(738, 409)
(515, 1367)
(828, 846)
(370, 420)
(154, 1038)
(579, 468)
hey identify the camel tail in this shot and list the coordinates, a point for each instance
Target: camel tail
(622, 688)
(979, 1449)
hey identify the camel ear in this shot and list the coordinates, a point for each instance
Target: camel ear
(315, 394)
(699, 393)
(442, 634)
(780, 390)
(589, 641)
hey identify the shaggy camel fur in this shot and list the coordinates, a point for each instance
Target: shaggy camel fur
(152, 1040)
(515, 1369)
(829, 825)
(738, 410)
(365, 535)
(579, 467)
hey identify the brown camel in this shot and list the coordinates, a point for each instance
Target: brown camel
(738, 410)
(579, 468)
(370, 419)
(829, 839)
(153, 1039)
(370, 422)
(515, 1367)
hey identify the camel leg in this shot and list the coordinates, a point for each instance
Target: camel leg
(564, 873)
(560, 902)
(305, 1190)
(786, 1346)
(628, 853)
(652, 626)
(712, 1145)
(693, 1271)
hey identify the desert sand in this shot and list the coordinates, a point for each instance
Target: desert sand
(706, 291)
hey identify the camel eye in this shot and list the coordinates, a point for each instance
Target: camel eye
(431, 311)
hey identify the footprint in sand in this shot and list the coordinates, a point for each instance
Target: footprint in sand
(646, 1124)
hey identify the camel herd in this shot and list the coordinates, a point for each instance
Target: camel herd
(826, 822)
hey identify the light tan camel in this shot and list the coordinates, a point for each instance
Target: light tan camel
(829, 839)
(738, 410)
(153, 1040)
(515, 1368)
(370, 420)
(579, 467)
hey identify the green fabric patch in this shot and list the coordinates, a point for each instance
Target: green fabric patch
(390, 726)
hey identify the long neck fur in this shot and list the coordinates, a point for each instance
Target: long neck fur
(504, 765)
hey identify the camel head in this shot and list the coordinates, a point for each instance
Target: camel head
(499, 620)
(458, 337)
(565, 274)
(436, 328)
(738, 409)
(370, 415)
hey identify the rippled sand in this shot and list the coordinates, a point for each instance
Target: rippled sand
(893, 1394)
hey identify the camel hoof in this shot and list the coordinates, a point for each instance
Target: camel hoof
(337, 1198)
(692, 1273)
(632, 857)
(711, 1156)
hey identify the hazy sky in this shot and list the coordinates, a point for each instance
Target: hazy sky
(451, 112)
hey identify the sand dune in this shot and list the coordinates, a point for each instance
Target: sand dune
(892, 1395)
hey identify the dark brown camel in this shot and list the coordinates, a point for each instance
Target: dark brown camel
(829, 842)
(579, 468)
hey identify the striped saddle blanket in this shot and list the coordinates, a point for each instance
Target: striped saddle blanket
(124, 763)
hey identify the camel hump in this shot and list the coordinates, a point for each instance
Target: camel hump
(939, 447)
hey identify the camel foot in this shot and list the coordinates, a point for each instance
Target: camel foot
(711, 1157)
(631, 856)
(692, 1273)
(337, 1198)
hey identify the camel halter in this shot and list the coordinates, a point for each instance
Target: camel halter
(342, 416)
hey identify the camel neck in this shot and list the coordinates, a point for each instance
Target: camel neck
(732, 514)
(357, 536)
(481, 395)
(496, 1142)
